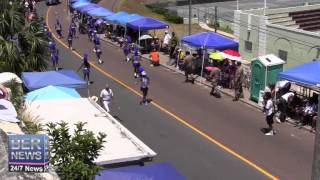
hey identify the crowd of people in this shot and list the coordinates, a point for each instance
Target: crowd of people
(280, 99)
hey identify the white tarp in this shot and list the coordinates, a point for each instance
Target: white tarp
(7, 111)
(6, 77)
(120, 146)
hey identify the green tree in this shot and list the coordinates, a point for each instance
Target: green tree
(23, 45)
(74, 155)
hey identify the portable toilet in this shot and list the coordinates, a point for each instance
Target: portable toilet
(264, 70)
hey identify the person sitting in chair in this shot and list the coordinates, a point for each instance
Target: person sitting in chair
(155, 58)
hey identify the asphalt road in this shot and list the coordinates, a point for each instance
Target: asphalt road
(288, 155)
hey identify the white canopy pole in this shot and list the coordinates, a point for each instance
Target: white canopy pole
(203, 47)
(203, 51)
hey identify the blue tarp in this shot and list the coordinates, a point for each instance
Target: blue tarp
(100, 12)
(158, 171)
(87, 7)
(116, 16)
(79, 4)
(64, 78)
(210, 40)
(74, 1)
(147, 23)
(305, 74)
(129, 18)
(52, 93)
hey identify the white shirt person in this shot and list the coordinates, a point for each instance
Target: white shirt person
(106, 96)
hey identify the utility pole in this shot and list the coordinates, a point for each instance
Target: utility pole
(190, 12)
(316, 152)
(215, 18)
(237, 4)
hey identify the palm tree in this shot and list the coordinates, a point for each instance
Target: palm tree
(23, 45)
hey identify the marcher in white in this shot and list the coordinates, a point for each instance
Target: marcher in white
(106, 96)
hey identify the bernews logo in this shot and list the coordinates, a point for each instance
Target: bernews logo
(28, 153)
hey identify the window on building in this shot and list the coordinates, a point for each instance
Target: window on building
(283, 54)
(248, 45)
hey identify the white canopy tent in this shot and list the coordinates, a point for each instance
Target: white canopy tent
(120, 146)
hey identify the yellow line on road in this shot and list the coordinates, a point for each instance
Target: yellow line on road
(203, 134)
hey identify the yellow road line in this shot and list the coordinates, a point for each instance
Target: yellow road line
(203, 134)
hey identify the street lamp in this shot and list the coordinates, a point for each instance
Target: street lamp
(264, 7)
(190, 11)
(237, 4)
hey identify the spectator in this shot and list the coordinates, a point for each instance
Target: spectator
(215, 77)
(232, 72)
(181, 56)
(155, 59)
(309, 111)
(166, 41)
(269, 111)
(225, 73)
(238, 80)
(173, 44)
(283, 105)
(189, 66)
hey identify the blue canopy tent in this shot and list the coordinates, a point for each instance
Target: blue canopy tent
(52, 93)
(100, 12)
(88, 7)
(74, 1)
(64, 78)
(129, 18)
(158, 171)
(79, 4)
(307, 74)
(116, 16)
(209, 40)
(146, 23)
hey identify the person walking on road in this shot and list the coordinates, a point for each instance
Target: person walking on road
(98, 54)
(136, 63)
(73, 28)
(215, 75)
(145, 81)
(86, 68)
(106, 96)
(269, 111)
(58, 29)
(238, 80)
(55, 60)
(126, 51)
(189, 66)
(70, 36)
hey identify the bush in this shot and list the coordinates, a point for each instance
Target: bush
(174, 18)
(168, 16)
(74, 155)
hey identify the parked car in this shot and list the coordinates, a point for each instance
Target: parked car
(51, 2)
